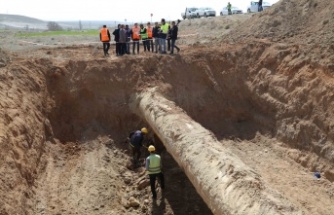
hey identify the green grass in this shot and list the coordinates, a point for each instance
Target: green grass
(58, 33)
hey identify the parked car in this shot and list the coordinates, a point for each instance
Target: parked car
(189, 13)
(254, 6)
(205, 12)
(234, 10)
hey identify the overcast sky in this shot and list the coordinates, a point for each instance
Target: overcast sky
(131, 10)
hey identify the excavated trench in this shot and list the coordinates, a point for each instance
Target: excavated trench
(215, 91)
(265, 93)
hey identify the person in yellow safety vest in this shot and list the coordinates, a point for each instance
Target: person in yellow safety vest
(229, 8)
(105, 39)
(135, 32)
(143, 36)
(149, 30)
(153, 167)
(163, 35)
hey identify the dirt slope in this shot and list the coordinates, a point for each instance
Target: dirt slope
(291, 21)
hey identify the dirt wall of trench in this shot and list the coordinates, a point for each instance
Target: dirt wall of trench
(256, 87)
(22, 127)
(260, 87)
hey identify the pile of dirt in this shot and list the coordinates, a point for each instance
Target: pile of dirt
(4, 58)
(207, 30)
(292, 21)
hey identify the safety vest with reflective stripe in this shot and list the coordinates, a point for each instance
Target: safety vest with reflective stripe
(149, 32)
(143, 33)
(164, 28)
(135, 33)
(104, 35)
(154, 166)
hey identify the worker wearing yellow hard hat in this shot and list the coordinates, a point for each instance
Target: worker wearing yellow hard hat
(136, 142)
(144, 130)
(153, 167)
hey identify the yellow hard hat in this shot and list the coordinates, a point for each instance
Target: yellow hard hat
(151, 148)
(144, 130)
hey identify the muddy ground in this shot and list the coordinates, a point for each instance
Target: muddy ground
(266, 95)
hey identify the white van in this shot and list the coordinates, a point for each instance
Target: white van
(189, 13)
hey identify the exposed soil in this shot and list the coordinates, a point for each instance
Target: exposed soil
(264, 88)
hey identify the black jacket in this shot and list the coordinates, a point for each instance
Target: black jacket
(173, 32)
(116, 34)
(156, 32)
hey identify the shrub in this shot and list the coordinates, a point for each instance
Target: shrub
(53, 26)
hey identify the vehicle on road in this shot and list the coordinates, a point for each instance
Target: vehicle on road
(254, 6)
(234, 10)
(205, 12)
(189, 13)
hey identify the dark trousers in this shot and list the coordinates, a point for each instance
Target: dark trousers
(122, 48)
(168, 44)
(150, 44)
(145, 44)
(134, 43)
(136, 153)
(157, 45)
(174, 46)
(260, 8)
(128, 46)
(152, 182)
(118, 48)
(106, 46)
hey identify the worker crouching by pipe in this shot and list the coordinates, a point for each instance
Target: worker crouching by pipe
(136, 142)
(153, 167)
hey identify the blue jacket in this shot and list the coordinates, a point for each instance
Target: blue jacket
(136, 139)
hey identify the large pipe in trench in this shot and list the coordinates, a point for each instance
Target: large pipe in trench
(225, 183)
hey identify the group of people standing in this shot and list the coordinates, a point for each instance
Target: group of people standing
(154, 39)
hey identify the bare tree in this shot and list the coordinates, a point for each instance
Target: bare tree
(54, 26)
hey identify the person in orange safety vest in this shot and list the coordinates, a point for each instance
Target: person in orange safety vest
(149, 31)
(105, 39)
(135, 32)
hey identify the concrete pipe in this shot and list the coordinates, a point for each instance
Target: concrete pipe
(224, 182)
